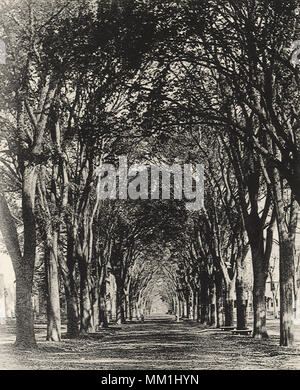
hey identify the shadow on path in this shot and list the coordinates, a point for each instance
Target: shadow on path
(158, 343)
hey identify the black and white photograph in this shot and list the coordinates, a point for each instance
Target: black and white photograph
(149, 189)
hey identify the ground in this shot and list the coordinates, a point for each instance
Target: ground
(159, 343)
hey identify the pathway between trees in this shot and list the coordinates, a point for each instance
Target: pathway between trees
(159, 343)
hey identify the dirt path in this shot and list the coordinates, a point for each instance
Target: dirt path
(156, 344)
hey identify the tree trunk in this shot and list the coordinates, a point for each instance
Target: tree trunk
(53, 303)
(120, 314)
(204, 298)
(204, 313)
(23, 267)
(286, 269)
(260, 263)
(130, 313)
(241, 298)
(181, 308)
(194, 305)
(72, 311)
(67, 267)
(137, 311)
(229, 304)
(103, 322)
(241, 306)
(24, 309)
(25, 337)
(130, 309)
(177, 305)
(219, 299)
(212, 304)
(110, 310)
(86, 323)
(259, 302)
(188, 306)
(198, 306)
(275, 306)
(126, 304)
(95, 305)
(287, 237)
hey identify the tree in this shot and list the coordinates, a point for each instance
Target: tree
(32, 90)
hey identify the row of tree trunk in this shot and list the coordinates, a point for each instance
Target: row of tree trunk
(213, 303)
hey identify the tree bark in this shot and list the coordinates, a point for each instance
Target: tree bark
(212, 304)
(194, 305)
(286, 269)
(72, 310)
(23, 265)
(68, 270)
(177, 305)
(120, 314)
(260, 263)
(86, 315)
(241, 306)
(103, 322)
(259, 302)
(25, 337)
(241, 298)
(229, 303)
(204, 298)
(52, 280)
(219, 299)
(187, 312)
(287, 236)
